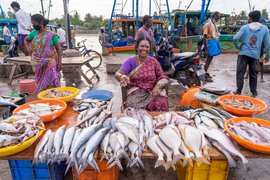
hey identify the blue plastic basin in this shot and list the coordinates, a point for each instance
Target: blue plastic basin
(102, 95)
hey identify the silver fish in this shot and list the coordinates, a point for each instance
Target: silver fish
(129, 131)
(67, 140)
(58, 139)
(151, 143)
(41, 144)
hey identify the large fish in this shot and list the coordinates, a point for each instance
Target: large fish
(193, 140)
(224, 140)
(91, 146)
(151, 143)
(129, 131)
(171, 137)
(41, 144)
(67, 140)
(168, 152)
(58, 140)
(80, 140)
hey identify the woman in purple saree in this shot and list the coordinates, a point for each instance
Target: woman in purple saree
(46, 57)
(145, 80)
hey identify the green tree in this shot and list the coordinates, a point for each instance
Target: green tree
(264, 13)
(243, 14)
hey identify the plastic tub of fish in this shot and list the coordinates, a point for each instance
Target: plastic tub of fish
(48, 110)
(62, 93)
(9, 150)
(246, 143)
(242, 105)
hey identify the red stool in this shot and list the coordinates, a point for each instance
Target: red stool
(28, 86)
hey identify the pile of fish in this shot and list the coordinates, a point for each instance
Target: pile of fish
(174, 118)
(251, 131)
(176, 139)
(179, 143)
(17, 129)
(92, 116)
(210, 117)
(54, 93)
(241, 104)
(128, 134)
(116, 137)
(39, 109)
(211, 122)
(87, 104)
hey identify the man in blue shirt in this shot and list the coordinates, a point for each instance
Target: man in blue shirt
(251, 36)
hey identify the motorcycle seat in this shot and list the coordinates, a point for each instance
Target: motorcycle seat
(184, 55)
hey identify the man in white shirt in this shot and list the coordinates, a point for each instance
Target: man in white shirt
(24, 25)
(61, 34)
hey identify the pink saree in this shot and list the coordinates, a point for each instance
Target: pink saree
(45, 68)
(143, 79)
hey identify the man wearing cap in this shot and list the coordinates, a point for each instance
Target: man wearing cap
(146, 32)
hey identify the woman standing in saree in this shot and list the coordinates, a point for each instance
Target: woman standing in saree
(46, 54)
(145, 80)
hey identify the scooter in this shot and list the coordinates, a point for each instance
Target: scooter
(184, 67)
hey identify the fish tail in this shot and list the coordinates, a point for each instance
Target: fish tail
(95, 166)
(177, 157)
(110, 160)
(244, 159)
(103, 157)
(190, 162)
(116, 162)
(159, 163)
(68, 166)
(170, 164)
(185, 162)
(200, 160)
(137, 160)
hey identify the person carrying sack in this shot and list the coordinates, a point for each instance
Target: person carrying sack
(211, 41)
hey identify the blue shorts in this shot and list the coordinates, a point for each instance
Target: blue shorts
(21, 39)
(107, 45)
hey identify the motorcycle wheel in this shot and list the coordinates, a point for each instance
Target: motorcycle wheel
(193, 79)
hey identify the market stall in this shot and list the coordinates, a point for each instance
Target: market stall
(218, 167)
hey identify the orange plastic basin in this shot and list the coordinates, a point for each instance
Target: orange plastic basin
(247, 144)
(239, 111)
(48, 117)
(187, 99)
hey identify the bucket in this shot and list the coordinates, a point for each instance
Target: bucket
(28, 86)
(187, 100)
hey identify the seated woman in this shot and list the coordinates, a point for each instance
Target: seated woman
(46, 58)
(145, 80)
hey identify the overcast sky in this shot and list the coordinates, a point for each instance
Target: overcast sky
(104, 7)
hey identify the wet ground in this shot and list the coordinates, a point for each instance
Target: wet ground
(223, 70)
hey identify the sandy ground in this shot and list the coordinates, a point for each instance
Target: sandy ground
(223, 69)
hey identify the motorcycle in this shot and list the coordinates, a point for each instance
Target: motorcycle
(184, 67)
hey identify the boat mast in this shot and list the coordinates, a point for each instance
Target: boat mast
(49, 9)
(42, 8)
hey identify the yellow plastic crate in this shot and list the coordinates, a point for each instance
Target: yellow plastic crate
(218, 170)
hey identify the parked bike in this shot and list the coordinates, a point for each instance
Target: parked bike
(184, 67)
(96, 58)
